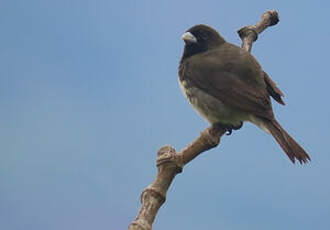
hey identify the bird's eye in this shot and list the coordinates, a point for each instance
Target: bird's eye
(203, 35)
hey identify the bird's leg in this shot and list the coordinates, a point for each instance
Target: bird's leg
(238, 126)
(229, 128)
(229, 131)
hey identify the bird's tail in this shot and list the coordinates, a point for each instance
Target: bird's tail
(287, 143)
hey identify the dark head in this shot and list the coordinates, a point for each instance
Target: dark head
(199, 39)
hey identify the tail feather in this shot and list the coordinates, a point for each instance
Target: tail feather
(287, 143)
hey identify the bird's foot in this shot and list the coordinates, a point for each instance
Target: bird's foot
(229, 128)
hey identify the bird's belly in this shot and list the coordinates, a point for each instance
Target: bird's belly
(210, 108)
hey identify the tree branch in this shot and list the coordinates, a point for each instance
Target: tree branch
(170, 163)
(249, 34)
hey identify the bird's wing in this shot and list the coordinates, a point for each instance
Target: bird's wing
(225, 82)
(273, 90)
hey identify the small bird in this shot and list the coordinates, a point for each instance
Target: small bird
(227, 86)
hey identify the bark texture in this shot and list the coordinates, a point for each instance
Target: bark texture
(170, 163)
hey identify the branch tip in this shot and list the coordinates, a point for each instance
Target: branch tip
(273, 17)
(165, 150)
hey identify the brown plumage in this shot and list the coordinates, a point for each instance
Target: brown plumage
(226, 85)
(273, 90)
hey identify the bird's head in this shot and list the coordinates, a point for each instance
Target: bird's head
(199, 39)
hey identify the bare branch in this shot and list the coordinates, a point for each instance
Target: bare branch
(170, 163)
(249, 34)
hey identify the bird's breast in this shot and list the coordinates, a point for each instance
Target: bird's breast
(209, 107)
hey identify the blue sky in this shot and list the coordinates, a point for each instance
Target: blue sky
(89, 93)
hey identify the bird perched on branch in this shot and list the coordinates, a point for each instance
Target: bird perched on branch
(227, 86)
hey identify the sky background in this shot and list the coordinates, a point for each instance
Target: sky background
(89, 93)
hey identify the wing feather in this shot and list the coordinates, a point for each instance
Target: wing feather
(238, 83)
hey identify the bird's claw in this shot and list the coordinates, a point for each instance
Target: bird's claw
(230, 128)
(229, 131)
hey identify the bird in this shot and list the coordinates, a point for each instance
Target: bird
(227, 86)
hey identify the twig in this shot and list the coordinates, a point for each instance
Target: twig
(249, 34)
(170, 163)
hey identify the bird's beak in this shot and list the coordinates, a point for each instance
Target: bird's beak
(189, 37)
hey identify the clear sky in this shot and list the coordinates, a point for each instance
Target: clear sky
(89, 93)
